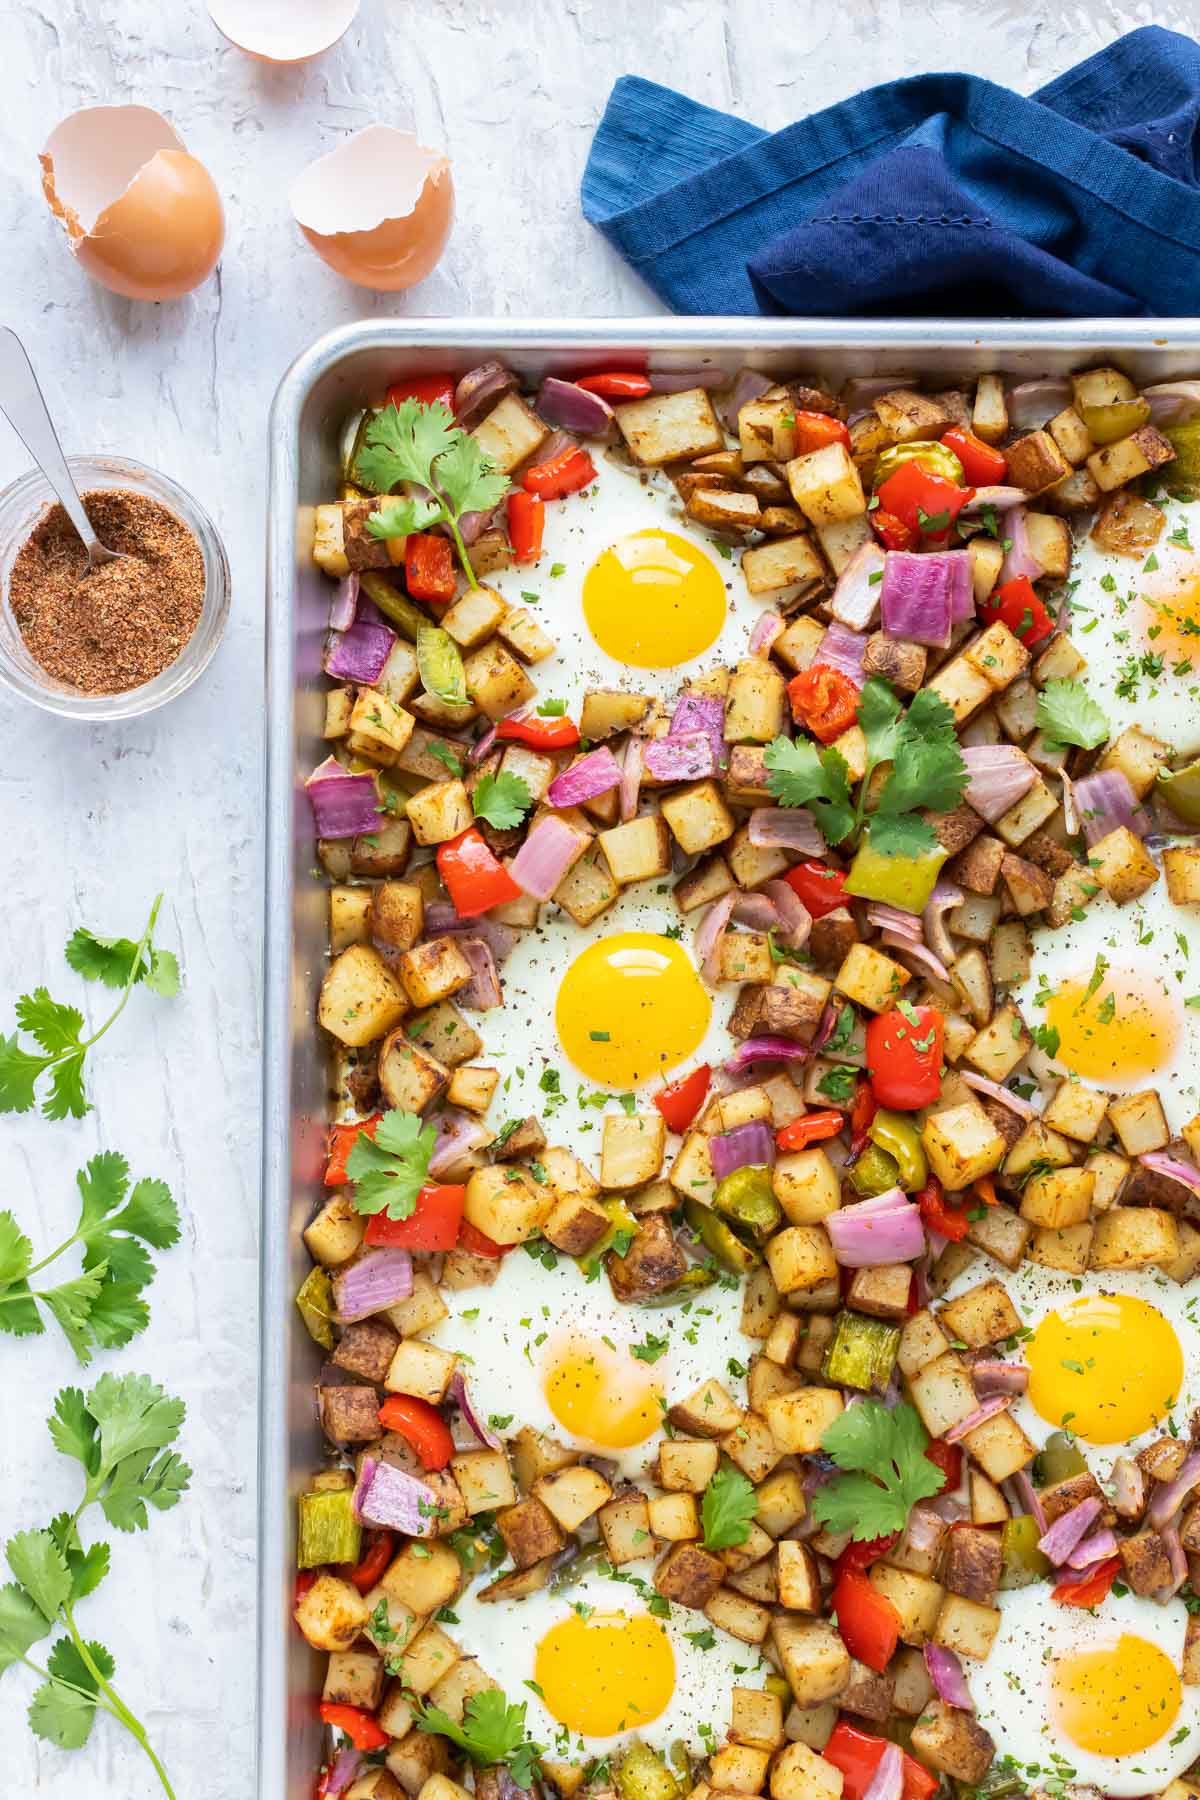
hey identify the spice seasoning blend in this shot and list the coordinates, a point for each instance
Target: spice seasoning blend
(116, 627)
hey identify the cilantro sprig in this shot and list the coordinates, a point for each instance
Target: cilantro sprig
(927, 770)
(59, 1029)
(102, 1307)
(123, 1435)
(503, 799)
(389, 1170)
(727, 1510)
(888, 1472)
(422, 446)
(1067, 714)
(492, 1732)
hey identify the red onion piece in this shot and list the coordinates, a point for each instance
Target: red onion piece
(379, 1278)
(678, 381)
(887, 1783)
(1096, 1547)
(1167, 1497)
(855, 599)
(1030, 1499)
(344, 604)
(796, 918)
(342, 1771)
(552, 446)
(360, 653)
(472, 525)
(1173, 1167)
(785, 828)
(709, 934)
(764, 1049)
(885, 1229)
(1172, 402)
(461, 1396)
(1058, 1541)
(442, 920)
(843, 650)
(631, 778)
(996, 1091)
(1000, 499)
(1129, 1487)
(480, 751)
(992, 1376)
(1070, 804)
(387, 1496)
(864, 390)
(575, 408)
(701, 712)
(922, 595)
(746, 1146)
(1179, 1565)
(892, 918)
(1019, 558)
(946, 1673)
(917, 953)
(944, 896)
(748, 384)
(344, 805)
(1031, 403)
(998, 775)
(688, 757)
(482, 993)
(767, 628)
(548, 853)
(998, 1403)
(479, 390)
(594, 774)
(1105, 801)
(458, 1134)
(757, 911)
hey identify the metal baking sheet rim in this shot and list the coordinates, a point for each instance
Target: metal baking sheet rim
(287, 1736)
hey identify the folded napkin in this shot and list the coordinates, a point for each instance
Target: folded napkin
(938, 194)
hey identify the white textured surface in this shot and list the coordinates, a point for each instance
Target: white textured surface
(94, 821)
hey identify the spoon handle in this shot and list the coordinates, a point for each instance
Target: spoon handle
(22, 403)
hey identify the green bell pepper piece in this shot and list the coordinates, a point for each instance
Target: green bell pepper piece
(642, 1774)
(440, 666)
(315, 1302)
(396, 607)
(874, 1172)
(360, 438)
(1024, 1563)
(862, 1352)
(747, 1199)
(898, 1135)
(904, 881)
(328, 1530)
(1057, 1460)
(686, 1288)
(1180, 788)
(939, 459)
(620, 1219)
(1115, 420)
(1183, 475)
(719, 1239)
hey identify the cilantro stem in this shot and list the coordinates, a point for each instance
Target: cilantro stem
(72, 1687)
(452, 521)
(116, 1705)
(135, 970)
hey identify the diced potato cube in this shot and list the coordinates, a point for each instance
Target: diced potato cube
(962, 1144)
(573, 1494)
(510, 433)
(755, 706)
(665, 428)
(999, 1446)
(800, 1258)
(639, 850)
(632, 1149)
(813, 1656)
(1059, 1197)
(496, 681)
(798, 1419)
(523, 634)
(474, 616)
(439, 812)
(871, 978)
(826, 486)
(433, 971)
(786, 565)
(360, 997)
(942, 1393)
(983, 1315)
(1122, 865)
(421, 1370)
(1076, 1111)
(506, 1204)
(1139, 1122)
(799, 1773)
(331, 1614)
(1134, 1237)
(698, 817)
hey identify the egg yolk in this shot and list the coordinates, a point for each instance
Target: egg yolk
(1116, 1700)
(1115, 1031)
(1108, 1365)
(653, 600)
(601, 1393)
(606, 1673)
(631, 1006)
(1171, 625)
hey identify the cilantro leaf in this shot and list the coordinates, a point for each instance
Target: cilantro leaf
(401, 443)
(492, 1732)
(446, 755)
(132, 1415)
(142, 1480)
(879, 720)
(503, 800)
(21, 1624)
(63, 1709)
(727, 1509)
(41, 1568)
(73, 1429)
(114, 961)
(901, 834)
(19, 1071)
(884, 1452)
(56, 1027)
(927, 764)
(67, 1099)
(465, 473)
(422, 445)
(16, 1251)
(798, 774)
(71, 1304)
(402, 517)
(390, 1169)
(1067, 714)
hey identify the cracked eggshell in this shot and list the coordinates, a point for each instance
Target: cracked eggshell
(141, 215)
(377, 209)
(283, 31)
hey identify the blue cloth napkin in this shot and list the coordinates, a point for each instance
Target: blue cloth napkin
(938, 194)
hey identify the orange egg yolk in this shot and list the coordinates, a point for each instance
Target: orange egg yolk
(1171, 622)
(1117, 1700)
(1116, 1031)
(609, 1672)
(600, 1392)
(631, 1006)
(1109, 1366)
(653, 600)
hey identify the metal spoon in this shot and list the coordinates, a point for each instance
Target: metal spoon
(23, 405)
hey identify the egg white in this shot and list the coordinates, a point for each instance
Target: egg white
(1011, 1689)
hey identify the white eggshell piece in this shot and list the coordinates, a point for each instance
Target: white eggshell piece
(283, 31)
(94, 155)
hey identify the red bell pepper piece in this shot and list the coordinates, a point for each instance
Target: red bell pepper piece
(811, 1128)
(927, 503)
(430, 390)
(824, 701)
(563, 474)
(904, 1057)
(475, 879)
(813, 430)
(616, 385)
(539, 734)
(867, 1622)
(1092, 1591)
(862, 1111)
(526, 524)
(681, 1100)
(429, 568)
(342, 1139)
(948, 1221)
(821, 888)
(948, 1458)
(860, 1555)
(892, 532)
(305, 1580)
(982, 466)
(1021, 608)
(985, 1189)
(432, 1225)
(474, 1241)
(857, 1753)
(421, 1425)
(381, 1547)
(362, 1728)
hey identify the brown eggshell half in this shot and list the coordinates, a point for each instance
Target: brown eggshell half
(378, 209)
(142, 216)
(283, 31)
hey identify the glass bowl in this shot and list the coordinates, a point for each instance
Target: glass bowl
(22, 505)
